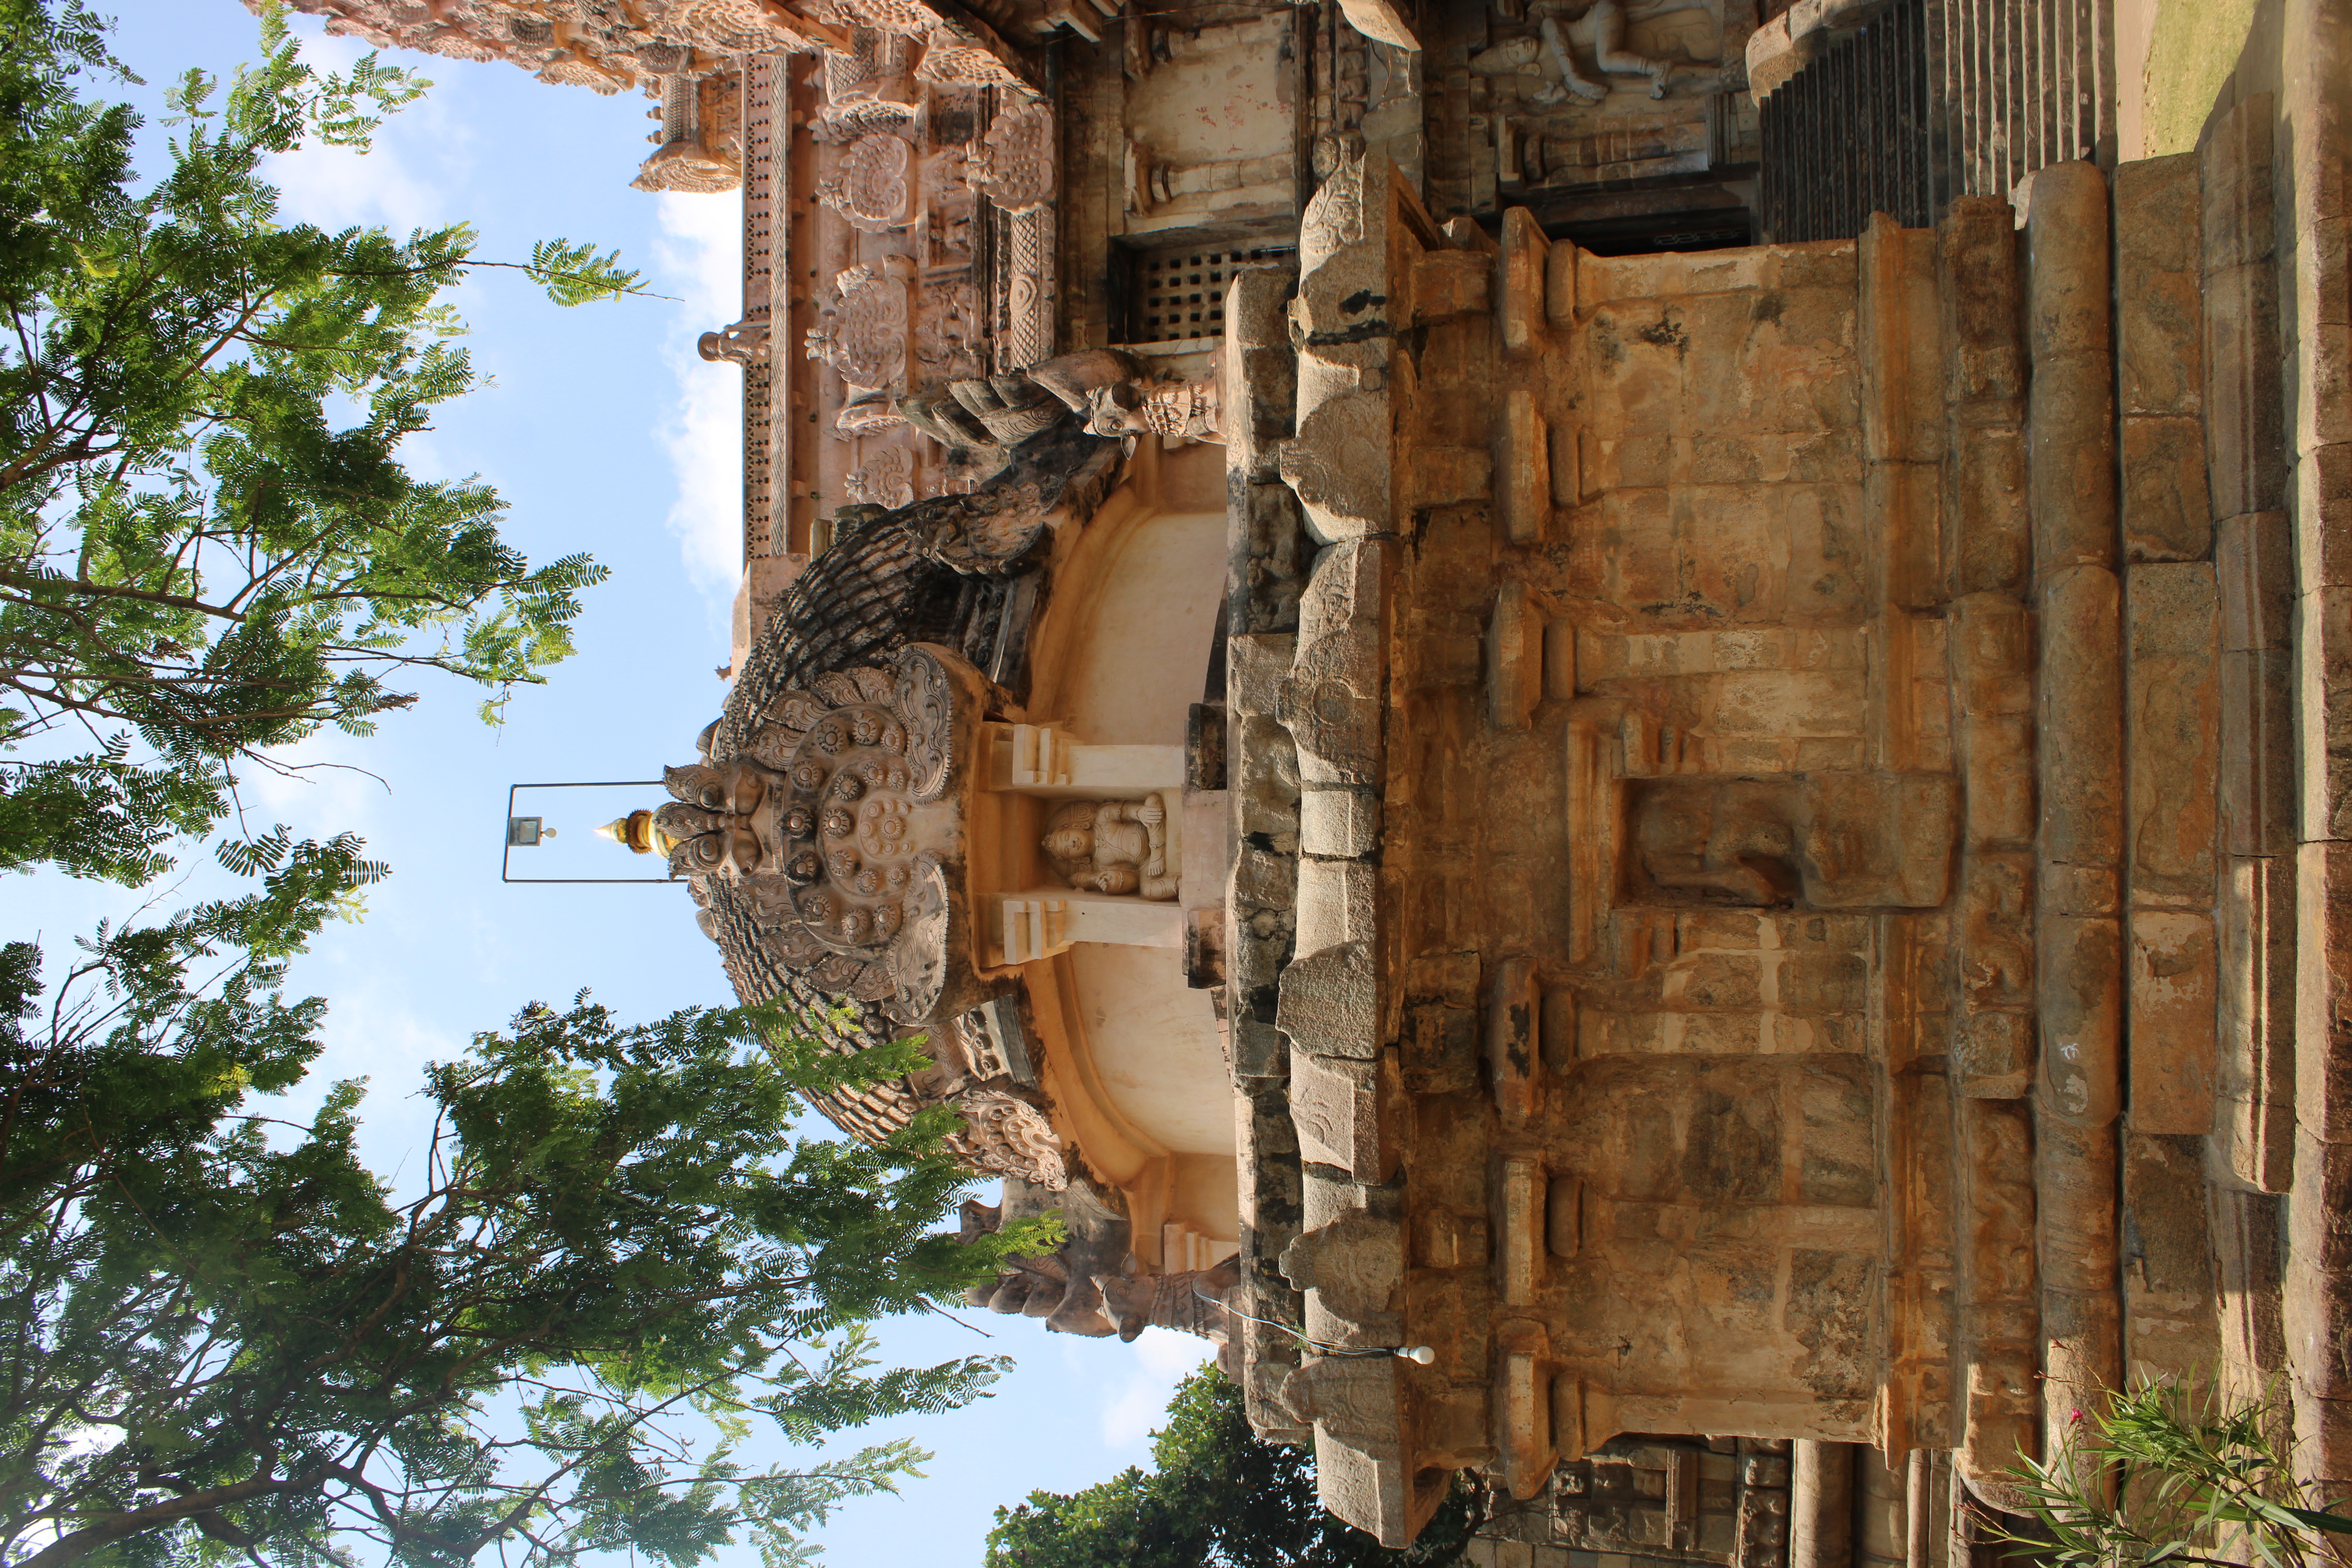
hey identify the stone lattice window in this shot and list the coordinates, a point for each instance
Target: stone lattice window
(1178, 292)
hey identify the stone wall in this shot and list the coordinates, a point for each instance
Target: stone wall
(1774, 905)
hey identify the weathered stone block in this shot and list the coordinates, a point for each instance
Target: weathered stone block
(2173, 729)
(1346, 1112)
(1262, 879)
(1439, 1048)
(1451, 977)
(1340, 824)
(2323, 1102)
(1267, 552)
(2245, 438)
(1339, 902)
(1523, 1406)
(1259, 1050)
(2081, 749)
(1879, 839)
(1991, 648)
(2160, 267)
(1338, 465)
(2236, 186)
(2080, 1006)
(1449, 1239)
(1330, 1003)
(1998, 764)
(1520, 1191)
(1559, 293)
(2165, 496)
(1513, 658)
(1513, 1064)
(1520, 269)
(2069, 414)
(1361, 1465)
(2257, 1048)
(2175, 977)
(1991, 531)
(1446, 283)
(2325, 698)
(1901, 344)
(1352, 1269)
(2259, 752)
(1557, 1030)
(1332, 702)
(2321, 487)
(1447, 476)
(1987, 357)
(2168, 1278)
(1993, 1055)
(1255, 667)
(2255, 561)
(1522, 489)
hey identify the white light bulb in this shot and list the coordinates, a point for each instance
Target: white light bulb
(1421, 1354)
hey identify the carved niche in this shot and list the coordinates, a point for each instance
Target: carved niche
(1112, 847)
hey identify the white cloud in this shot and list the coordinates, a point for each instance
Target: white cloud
(421, 159)
(1138, 1403)
(700, 258)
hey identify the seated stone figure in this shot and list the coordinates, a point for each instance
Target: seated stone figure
(1112, 847)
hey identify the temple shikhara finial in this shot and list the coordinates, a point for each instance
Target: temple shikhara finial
(1641, 695)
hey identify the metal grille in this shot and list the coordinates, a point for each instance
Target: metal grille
(1179, 293)
(1937, 98)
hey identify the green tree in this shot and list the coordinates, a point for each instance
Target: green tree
(1218, 1495)
(222, 1337)
(207, 539)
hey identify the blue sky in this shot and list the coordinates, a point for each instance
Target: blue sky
(604, 433)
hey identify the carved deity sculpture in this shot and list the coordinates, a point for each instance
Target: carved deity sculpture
(1112, 847)
(740, 343)
(1602, 23)
(1179, 411)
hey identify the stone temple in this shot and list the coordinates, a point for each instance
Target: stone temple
(1657, 693)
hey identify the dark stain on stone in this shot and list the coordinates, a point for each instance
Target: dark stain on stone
(1667, 333)
(1829, 1312)
(1733, 1149)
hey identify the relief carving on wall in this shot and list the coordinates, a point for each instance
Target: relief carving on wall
(885, 480)
(1111, 847)
(864, 336)
(870, 187)
(1007, 1136)
(1013, 166)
